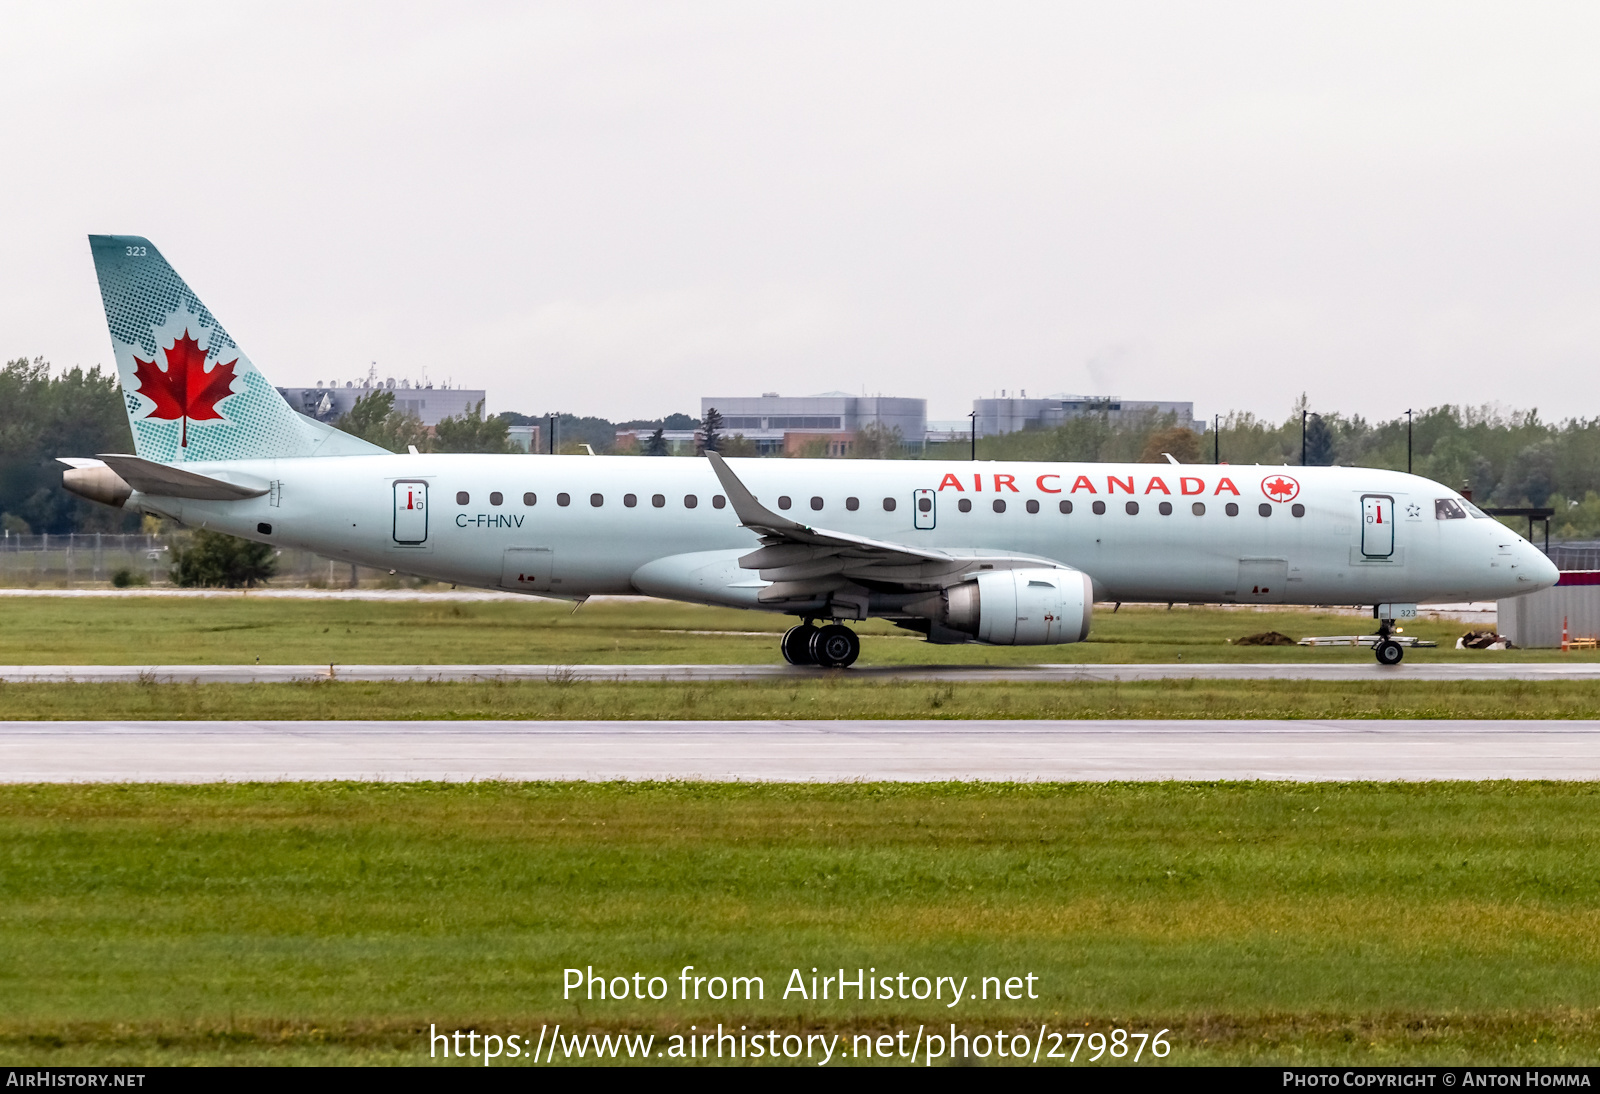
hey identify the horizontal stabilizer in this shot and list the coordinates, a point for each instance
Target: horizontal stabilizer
(163, 480)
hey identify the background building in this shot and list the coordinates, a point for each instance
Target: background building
(327, 402)
(1013, 415)
(789, 424)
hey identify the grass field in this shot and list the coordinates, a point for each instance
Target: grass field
(829, 697)
(239, 630)
(1260, 923)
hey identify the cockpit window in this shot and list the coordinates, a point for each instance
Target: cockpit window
(1477, 514)
(1448, 509)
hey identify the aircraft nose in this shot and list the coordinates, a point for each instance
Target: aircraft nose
(1535, 571)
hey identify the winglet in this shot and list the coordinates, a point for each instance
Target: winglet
(751, 513)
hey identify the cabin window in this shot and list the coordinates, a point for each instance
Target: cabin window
(658, 500)
(784, 502)
(563, 499)
(816, 503)
(1264, 509)
(462, 497)
(597, 500)
(1033, 505)
(1447, 509)
(1132, 508)
(496, 498)
(530, 498)
(1065, 507)
(1297, 509)
(1231, 509)
(630, 500)
(924, 504)
(690, 501)
(852, 504)
(999, 505)
(965, 505)
(1165, 508)
(718, 501)
(1099, 508)
(1198, 508)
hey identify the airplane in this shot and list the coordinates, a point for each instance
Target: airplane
(997, 552)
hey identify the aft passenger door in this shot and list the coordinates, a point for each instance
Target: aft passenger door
(924, 510)
(410, 513)
(1377, 526)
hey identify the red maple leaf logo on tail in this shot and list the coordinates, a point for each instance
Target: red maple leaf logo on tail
(185, 390)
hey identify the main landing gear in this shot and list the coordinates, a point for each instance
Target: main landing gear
(834, 646)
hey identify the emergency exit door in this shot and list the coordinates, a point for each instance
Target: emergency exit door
(923, 510)
(411, 513)
(1377, 526)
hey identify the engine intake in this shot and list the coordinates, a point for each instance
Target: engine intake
(1022, 607)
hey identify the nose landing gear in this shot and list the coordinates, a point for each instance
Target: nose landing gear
(1387, 651)
(834, 646)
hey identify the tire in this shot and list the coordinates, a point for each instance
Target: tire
(1389, 653)
(796, 644)
(835, 646)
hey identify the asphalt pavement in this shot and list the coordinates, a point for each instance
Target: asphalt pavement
(798, 751)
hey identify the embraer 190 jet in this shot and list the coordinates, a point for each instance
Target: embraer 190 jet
(1006, 553)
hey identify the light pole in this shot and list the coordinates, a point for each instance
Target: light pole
(1408, 442)
(1216, 439)
(1303, 413)
(974, 416)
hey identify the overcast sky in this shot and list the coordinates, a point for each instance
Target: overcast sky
(615, 209)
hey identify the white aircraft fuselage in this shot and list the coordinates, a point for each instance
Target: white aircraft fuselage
(1336, 553)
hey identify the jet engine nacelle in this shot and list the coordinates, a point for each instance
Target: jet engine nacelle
(1022, 607)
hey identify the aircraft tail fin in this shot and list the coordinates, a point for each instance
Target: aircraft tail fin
(190, 392)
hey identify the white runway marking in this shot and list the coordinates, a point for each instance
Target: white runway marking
(798, 751)
(1304, 670)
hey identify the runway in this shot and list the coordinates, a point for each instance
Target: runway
(798, 751)
(1062, 674)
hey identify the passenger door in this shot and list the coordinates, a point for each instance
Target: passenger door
(410, 513)
(1377, 526)
(924, 509)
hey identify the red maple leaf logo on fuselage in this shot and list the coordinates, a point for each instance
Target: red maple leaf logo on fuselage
(1280, 487)
(185, 390)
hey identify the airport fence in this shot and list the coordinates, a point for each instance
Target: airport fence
(93, 559)
(1586, 557)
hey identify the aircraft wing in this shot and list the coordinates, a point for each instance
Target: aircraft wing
(803, 561)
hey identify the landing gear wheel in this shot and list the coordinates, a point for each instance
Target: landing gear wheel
(835, 646)
(796, 645)
(1389, 653)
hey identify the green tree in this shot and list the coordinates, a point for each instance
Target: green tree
(1319, 442)
(876, 441)
(738, 445)
(657, 445)
(375, 419)
(214, 560)
(471, 432)
(74, 413)
(1181, 442)
(712, 431)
